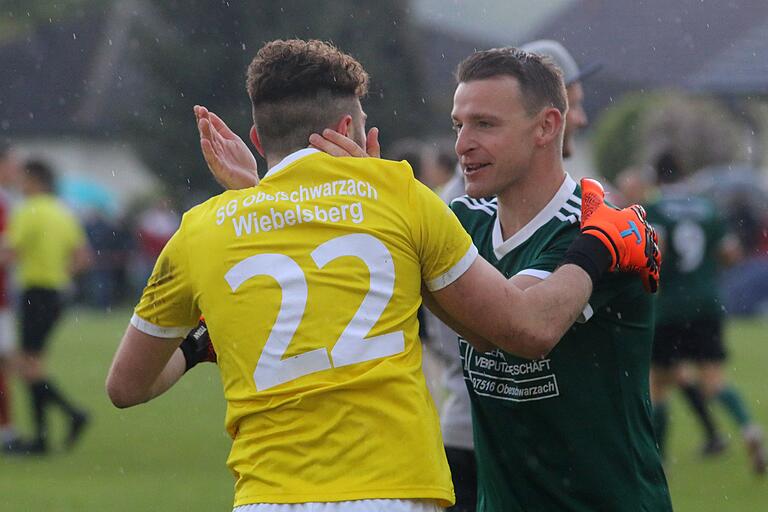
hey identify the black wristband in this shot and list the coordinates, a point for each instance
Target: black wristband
(589, 253)
(188, 350)
(192, 345)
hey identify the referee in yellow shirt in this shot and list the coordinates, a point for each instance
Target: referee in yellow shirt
(48, 246)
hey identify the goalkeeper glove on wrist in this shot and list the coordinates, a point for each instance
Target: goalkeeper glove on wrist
(630, 240)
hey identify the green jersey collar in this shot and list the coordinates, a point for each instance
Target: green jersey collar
(503, 247)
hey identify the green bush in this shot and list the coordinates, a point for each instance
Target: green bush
(619, 133)
(699, 130)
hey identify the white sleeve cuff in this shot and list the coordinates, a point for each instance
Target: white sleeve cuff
(585, 315)
(157, 331)
(455, 271)
(540, 274)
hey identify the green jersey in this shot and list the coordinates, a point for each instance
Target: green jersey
(691, 233)
(571, 431)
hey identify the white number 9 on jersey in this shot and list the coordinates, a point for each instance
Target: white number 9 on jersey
(353, 345)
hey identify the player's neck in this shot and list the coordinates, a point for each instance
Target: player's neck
(523, 200)
(276, 158)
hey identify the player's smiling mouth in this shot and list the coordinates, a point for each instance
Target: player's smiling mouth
(474, 167)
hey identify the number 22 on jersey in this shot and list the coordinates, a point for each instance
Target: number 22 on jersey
(353, 345)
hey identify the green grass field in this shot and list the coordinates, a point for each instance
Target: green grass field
(170, 454)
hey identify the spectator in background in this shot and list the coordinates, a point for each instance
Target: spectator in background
(48, 246)
(155, 226)
(99, 284)
(441, 171)
(9, 173)
(412, 151)
(576, 118)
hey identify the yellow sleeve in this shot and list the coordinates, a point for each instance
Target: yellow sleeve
(444, 247)
(167, 308)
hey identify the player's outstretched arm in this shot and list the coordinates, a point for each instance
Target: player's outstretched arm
(227, 156)
(471, 336)
(527, 323)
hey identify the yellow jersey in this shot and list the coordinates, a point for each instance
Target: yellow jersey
(310, 283)
(44, 234)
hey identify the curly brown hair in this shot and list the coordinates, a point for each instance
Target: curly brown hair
(540, 80)
(300, 87)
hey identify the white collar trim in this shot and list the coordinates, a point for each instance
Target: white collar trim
(503, 247)
(288, 160)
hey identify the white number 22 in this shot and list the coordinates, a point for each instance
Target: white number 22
(353, 345)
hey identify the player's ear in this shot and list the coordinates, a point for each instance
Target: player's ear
(344, 126)
(550, 126)
(256, 141)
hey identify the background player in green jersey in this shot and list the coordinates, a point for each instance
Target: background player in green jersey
(572, 430)
(689, 323)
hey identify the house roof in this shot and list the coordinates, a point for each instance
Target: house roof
(707, 45)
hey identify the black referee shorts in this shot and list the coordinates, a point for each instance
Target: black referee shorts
(700, 341)
(40, 309)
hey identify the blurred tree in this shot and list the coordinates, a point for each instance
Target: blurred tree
(197, 51)
(20, 16)
(618, 133)
(699, 130)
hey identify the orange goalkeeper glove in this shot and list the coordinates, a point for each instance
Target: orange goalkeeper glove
(626, 234)
(197, 346)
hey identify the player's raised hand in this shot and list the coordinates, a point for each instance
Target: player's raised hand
(626, 234)
(229, 159)
(336, 144)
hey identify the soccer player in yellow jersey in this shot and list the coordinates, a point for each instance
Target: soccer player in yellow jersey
(310, 282)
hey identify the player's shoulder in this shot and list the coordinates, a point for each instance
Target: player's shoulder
(470, 207)
(475, 214)
(562, 216)
(224, 204)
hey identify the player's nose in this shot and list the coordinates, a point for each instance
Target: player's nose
(464, 142)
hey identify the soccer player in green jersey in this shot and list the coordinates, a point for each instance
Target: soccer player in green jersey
(571, 430)
(689, 315)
